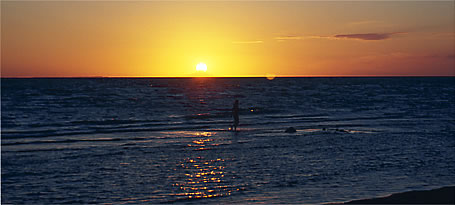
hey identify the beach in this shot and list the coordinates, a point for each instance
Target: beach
(444, 195)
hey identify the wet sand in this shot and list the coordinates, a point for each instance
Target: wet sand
(444, 195)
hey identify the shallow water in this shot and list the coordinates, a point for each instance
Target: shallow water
(166, 140)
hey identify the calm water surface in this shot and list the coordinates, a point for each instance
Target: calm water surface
(167, 140)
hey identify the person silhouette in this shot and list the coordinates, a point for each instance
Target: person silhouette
(235, 114)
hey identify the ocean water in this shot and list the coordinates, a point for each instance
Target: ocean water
(160, 140)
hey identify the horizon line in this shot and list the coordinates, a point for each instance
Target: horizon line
(243, 76)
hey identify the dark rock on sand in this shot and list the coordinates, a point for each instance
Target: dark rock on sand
(290, 130)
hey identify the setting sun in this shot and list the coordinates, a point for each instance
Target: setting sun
(201, 67)
(176, 39)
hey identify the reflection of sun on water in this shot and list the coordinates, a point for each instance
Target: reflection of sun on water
(204, 179)
(270, 76)
(203, 176)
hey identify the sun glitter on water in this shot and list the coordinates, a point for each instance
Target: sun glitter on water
(201, 67)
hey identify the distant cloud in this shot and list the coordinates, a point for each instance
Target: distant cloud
(367, 36)
(288, 37)
(246, 42)
(358, 36)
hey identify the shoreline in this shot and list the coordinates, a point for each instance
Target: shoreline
(443, 195)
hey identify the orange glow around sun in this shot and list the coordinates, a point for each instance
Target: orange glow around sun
(167, 39)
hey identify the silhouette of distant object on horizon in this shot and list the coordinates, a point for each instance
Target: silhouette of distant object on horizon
(290, 130)
(235, 115)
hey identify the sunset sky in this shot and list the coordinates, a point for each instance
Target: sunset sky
(257, 38)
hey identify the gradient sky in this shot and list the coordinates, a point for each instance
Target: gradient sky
(168, 39)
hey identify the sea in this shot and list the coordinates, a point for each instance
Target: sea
(169, 140)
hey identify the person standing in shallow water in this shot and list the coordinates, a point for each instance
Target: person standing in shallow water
(235, 114)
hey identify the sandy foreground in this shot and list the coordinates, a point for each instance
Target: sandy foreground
(444, 195)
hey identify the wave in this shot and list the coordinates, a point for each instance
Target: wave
(215, 122)
(55, 133)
